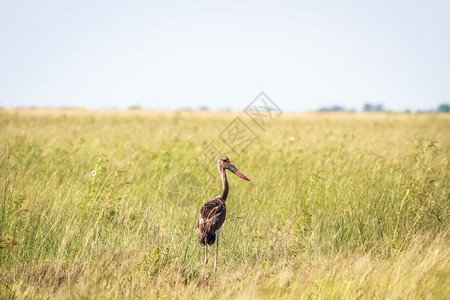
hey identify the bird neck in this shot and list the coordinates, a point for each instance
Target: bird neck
(223, 176)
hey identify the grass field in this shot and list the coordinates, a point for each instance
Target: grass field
(339, 206)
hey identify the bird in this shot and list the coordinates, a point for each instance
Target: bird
(213, 212)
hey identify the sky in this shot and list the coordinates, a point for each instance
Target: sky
(221, 54)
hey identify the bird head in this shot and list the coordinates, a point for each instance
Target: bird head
(225, 163)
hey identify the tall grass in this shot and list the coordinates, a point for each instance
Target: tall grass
(339, 206)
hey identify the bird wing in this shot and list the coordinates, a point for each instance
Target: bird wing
(212, 216)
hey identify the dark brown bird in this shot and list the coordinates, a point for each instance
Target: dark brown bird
(213, 212)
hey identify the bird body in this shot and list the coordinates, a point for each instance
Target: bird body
(213, 212)
(212, 217)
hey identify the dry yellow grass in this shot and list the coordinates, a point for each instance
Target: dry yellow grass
(340, 206)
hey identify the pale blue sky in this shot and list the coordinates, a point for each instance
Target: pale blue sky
(221, 54)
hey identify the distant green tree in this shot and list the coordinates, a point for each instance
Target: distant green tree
(373, 108)
(334, 108)
(445, 108)
(368, 107)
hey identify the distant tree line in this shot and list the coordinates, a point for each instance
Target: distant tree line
(368, 107)
(445, 108)
(373, 108)
(333, 108)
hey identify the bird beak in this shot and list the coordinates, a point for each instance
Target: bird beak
(236, 172)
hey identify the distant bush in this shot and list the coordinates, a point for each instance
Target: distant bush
(445, 108)
(373, 108)
(334, 108)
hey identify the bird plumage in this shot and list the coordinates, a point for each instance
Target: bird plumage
(212, 217)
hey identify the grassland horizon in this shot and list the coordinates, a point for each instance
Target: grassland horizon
(346, 205)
